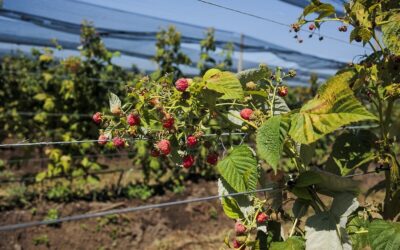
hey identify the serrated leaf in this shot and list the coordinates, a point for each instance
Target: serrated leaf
(292, 243)
(254, 75)
(334, 106)
(384, 235)
(115, 102)
(231, 208)
(391, 34)
(239, 169)
(270, 139)
(242, 201)
(351, 150)
(225, 83)
(357, 228)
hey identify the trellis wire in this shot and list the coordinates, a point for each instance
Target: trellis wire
(127, 210)
(277, 22)
(90, 141)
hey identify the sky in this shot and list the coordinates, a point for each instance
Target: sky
(198, 13)
(191, 12)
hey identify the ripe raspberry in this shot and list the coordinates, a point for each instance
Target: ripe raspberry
(133, 120)
(282, 91)
(188, 161)
(246, 113)
(191, 141)
(164, 146)
(168, 123)
(212, 158)
(182, 84)
(97, 117)
(311, 27)
(154, 153)
(119, 142)
(239, 228)
(262, 217)
(236, 244)
(102, 139)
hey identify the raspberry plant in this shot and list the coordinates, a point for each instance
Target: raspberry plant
(172, 110)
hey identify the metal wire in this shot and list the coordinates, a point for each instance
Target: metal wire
(90, 141)
(127, 210)
(277, 22)
(377, 170)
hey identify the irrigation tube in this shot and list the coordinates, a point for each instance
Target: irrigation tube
(125, 210)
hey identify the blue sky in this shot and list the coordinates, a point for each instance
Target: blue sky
(198, 13)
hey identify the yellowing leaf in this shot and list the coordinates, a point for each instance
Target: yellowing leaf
(334, 106)
(224, 83)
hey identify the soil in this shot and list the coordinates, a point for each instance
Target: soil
(200, 225)
(191, 226)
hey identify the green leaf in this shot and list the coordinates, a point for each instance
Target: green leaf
(308, 178)
(292, 243)
(334, 106)
(332, 184)
(351, 150)
(231, 208)
(243, 201)
(41, 176)
(360, 33)
(210, 73)
(357, 228)
(270, 139)
(302, 193)
(239, 169)
(307, 152)
(391, 34)
(225, 83)
(254, 74)
(384, 235)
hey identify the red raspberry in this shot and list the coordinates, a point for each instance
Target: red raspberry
(133, 120)
(182, 84)
(191, 141)
(97, 117)
(119, 142)
(262, 217)
(246, 113)
(311, 27)
(168, 123)
(212, 158)
(164, 146)
(236, 244)
(282, 91)
(188, 161)
(239, 228)
(154, 153)
(103, 139)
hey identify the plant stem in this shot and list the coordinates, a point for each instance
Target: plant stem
(293, 227)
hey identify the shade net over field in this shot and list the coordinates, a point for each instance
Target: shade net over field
(38, 22)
